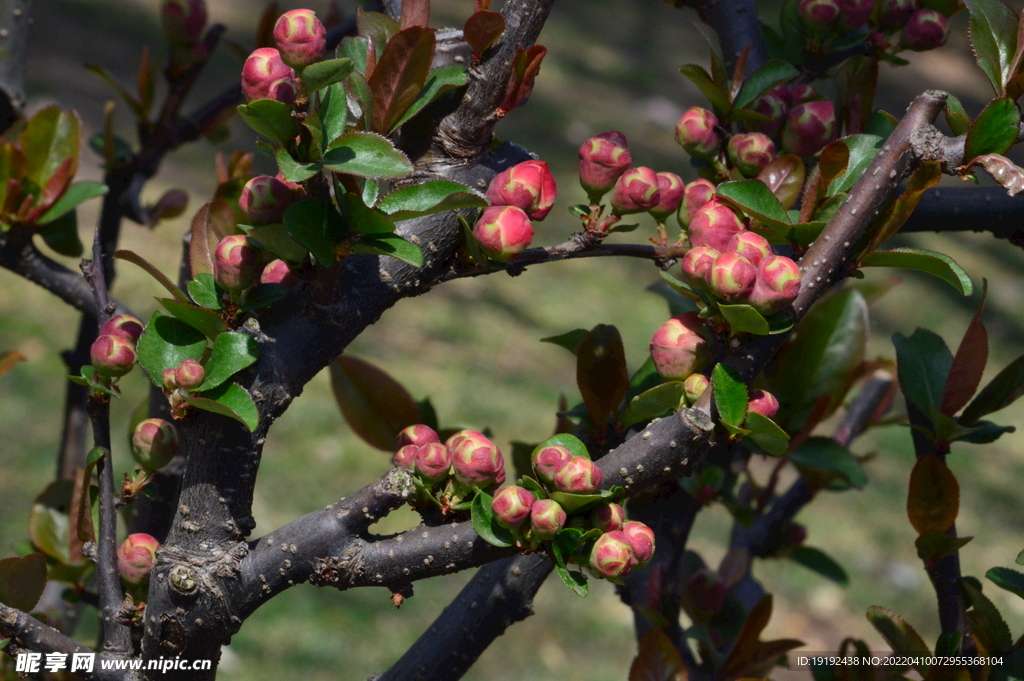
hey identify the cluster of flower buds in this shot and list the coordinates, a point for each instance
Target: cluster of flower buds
(177, 383)
(918, 28)
(798, 116)
(531, 519)
(113, 352)
(617, 552)
(183, 22)
(136, 556)
(154, 443)
(274, 72)
(519, 194)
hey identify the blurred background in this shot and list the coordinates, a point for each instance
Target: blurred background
(472, 346)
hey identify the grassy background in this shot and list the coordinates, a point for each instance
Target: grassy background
(472, 346)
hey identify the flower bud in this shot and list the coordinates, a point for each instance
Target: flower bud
(697, 264)
(167, 376)
(636, 191)
(678, 347)
(300, 38)
(602, 160)
(477, 460)
(670, 195)
(503, 232)
(751, 246)
(511, 506)
(546, 518)
(136, 556)
(706, 593)
(763, 403)
(236, 263)
(795, 535)
(818, 15)
(608, 517)
(183, 21)
(697, 194)
(750, 152)
(123, 325)
(112, 356)
(694, 386)
(189, 374)
(695, 132)
(283, 90)
(732, 277)
(641, 540)
(154, 443)
(612, 556)
(925, 30)
(262, 69)
(714, 225)
(528, 185)
(854, 13)
(802, 93)
(278, 272)
(417, 435)
(264, 200)
(777, 285)
(774, 107)
(548, 460)
(895, 13)
(809, 127)
(578, 475)
(171, 204)
(405, 457)
(433, 461)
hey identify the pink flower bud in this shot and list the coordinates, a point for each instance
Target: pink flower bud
(503, 232)
(183, 21)
(546, 518)
(698, 193)
(732, 277)
(697, 264)
(679, 347)
(511, 506)
(751, 246)
(477, 460)
(612, 556)
(706, 593)
(750, 152)
(714, 225)
(670, 195)
(405, 457)
(236, 263)
(578, 475)
(300, 38)
(283, 90)
(763, 403)
(608, 517)
(809, 127)
(262, 69)
(548, 460)
(772, 106)
(123, 325)
(879, 42)
(112, 355)
(925, 30)
(795, 535)
(695, 132)
(136, 556)
(189, 374)
(264, 200)
(154, 443)
(167, 376)
(433, 461)
(818, 15)
(777, 285)
(694, 386)
(641, 540)
(602, 160)
(528, 185)
(854, 13)
(636, 191)
(417, 435)
(895, 13)
(278, 272)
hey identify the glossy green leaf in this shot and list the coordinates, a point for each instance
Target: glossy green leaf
(22, 581)
(62, 235)
(367, 155)
(317, 226)
(730, 394)
(207, 321)
(570, 340)
(231, 400)
(324, 73)
(231, 353)
(428, 198)
(930, 262)
(49, 138)
(822, 460)
(203, 290)
(820, 562)
(375, 405)
(1001, 392)
(767, 434)
(578, 503)
(567, 440)
(956, 116)
(333, 112)
(744, 319)
(275, 240)
(935, 545)
(716, 96)
(87, 379)
(364, 220)
(272, 119)
(393, 245)
(438, 82)
(665, 398)
(923, 362)
(881, 124)
(764, 79)
(993, 32)
(167, 342)
(984, 432)
(48, 524)
(484, 523)
(862, 151)
(804, 234)
(292, 170)
(994, 131)
(601, 373)
(1007, 578)
(77, 193)
(756, 199)
(718, 72)
(264, 295)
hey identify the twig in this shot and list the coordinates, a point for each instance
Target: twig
(738, 27)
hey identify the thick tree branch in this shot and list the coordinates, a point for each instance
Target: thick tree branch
(738, 28)
(977, 209)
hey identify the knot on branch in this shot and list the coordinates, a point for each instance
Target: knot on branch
(341, 571)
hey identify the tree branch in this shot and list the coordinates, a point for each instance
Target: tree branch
(977, 209)
(738, 28)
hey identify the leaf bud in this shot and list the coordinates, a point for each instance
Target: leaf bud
(154, 443)
(528, 185)
(405, 457)
(925, 30)
(895, 13)
(706, 593)
(764, 403)
(751, 246)
(641, 540)
(697, 194)
(236, 263)
(433, 461)
(278, 272)
(477, 460)
(418, 434)
(608, 517)
(732, 277)
(714, 225)
(548, 460)
(503, 232)
(671, 190)
(183, 21)
(855, 13)
(774, 107)
(694, 386)
(123, 325)
(189, 374)
(264, 200)
(777, 285)
(809, 127)
(263, 69)
(697, 264)
(818, 15)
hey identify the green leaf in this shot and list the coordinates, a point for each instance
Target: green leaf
(767, 434)
(601, 373)
(364, 220)
(570, 340)
(62, 235)
(375, 405)
(882, 124)
(77, 193)
(764, 79)
(1007, 578)
(231, 400)
(900, 635)
(1001, 392)
(862, 151)
(22, 581)
(923, 362)
(48, 524)
(438, 82)
(393, 245)
(930, 262)
(744, 319)
(485, 524)
(578, 503)
(666, 397)
(333, 112)
(822, 461)
(210, 323)
(50, 138)
(818, 561)
(428, 198)
(231, 353)
(316, 225)
(804, 234)
(994, 131)
(993, 31)
(367, 155)
(956, 116)
(275, 240)
(995, 635)
(203, 291)
(935, 545)
(984, 432)
(716, 96)
(757, 200)
(167, 342)
(575, 580)
(324, 73)
(150, 269)
(293, 170)
(730, 394)
(567, 440)
(272, 119)
(264, 295)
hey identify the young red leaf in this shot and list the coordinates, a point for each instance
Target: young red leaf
(748, 638)
(376, 406)
(415, 13)
(55, 186)
(933, 500)
(1003, 170)
(22, 581)
(657, 659)
(525, 66)
(399, 75)
(969, 362)
(785, 177)
(482, 29)
(601, 373)
(200, 249)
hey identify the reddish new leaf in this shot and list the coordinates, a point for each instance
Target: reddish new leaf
(482, 29)
(933, 500)
(55, 188)
(748, 640)
(525, 67)
(400, 75)
(737, 73)
(601, 374)
(482, 4)
(415, 13)
(1003, 170)
(22, 581)
(376, 406)
(657, 659)
(785, 177)
(969, 362)
(200, 252)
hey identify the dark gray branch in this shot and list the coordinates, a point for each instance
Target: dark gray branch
(738, 28)
(975, 209)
